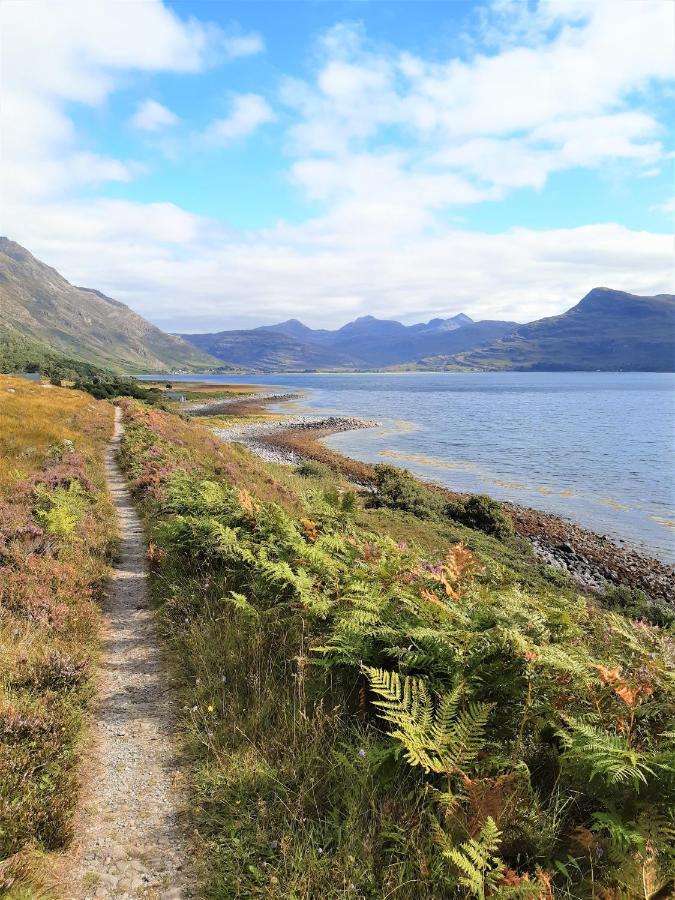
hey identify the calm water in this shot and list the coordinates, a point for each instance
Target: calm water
(596, 447)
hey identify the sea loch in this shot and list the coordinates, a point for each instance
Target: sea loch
(595, 447)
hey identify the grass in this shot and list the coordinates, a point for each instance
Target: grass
(380, 705)
(56, 534)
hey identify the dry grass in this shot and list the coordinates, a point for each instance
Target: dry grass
(56, 534)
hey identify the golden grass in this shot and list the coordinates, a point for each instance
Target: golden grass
(50, 584)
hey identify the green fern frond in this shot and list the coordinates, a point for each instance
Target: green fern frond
(435, 735)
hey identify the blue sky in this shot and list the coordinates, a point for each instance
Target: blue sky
(221, 165)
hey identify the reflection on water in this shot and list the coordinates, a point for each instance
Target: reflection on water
(596, 447)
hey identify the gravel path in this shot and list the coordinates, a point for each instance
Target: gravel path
(130, 844)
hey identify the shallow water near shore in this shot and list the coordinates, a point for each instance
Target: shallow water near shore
(597, 447)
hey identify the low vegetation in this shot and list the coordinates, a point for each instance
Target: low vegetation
(56, 531)
(106, 387)
(21, 354)
(378, 704)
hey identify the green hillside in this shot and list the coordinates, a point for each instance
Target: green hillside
(43, 313)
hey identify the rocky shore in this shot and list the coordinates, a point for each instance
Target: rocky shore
(594, 561)
(260, 437)
(236, 405)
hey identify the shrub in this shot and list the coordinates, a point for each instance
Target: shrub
(636, 604)
(481, 512)
(310, 468)
(60, 510)
(398, 489)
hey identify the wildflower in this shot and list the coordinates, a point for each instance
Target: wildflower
(362, 753)
(210, 708)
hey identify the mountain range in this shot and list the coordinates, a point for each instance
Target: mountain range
(43, 316)
(45, 319)
(365, 343)
(607, 330)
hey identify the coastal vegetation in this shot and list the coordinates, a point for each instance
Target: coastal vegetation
(57, 532)
(393, 698)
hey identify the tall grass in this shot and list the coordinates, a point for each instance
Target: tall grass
(371, 711)
(56, 532)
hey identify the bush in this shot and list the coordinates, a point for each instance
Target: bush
(105, 387)
(481, 512)
(310, 468)
(398, 489)
(636, 604)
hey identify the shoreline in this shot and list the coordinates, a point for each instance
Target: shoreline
(595, 561)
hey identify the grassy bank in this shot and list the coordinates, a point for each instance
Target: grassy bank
(56, 530)
(378, 705)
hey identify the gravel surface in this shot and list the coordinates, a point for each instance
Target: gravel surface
(223, 406)
(129, 842)
(250, 435)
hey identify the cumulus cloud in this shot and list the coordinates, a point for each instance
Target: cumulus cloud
(237, 45)
(152, 116)
(388, 146)
(79, 52)
(248, 112)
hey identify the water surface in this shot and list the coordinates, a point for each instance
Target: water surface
(595, 447)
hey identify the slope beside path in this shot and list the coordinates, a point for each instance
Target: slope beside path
(129, 842)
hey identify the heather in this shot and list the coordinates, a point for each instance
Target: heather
(377, 702)
(56, 530)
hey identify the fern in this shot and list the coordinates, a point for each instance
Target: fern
(242, 605)
(476, 860)
(435, 735)
(608, 755)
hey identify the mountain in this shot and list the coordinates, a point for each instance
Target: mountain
(266, 350)
(43, 314)
(607, 330)
(365, 343)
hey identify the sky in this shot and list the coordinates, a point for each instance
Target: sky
(223, 165)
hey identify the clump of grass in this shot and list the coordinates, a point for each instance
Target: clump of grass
(374, 709)
(56, 532)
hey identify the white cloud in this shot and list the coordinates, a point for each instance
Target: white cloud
(248, 113)
(79, 51)
(389, 145)
(509, 118)
(188, 273)
(238, 45)
(152, 116)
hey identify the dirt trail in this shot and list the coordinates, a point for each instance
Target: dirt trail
(129, 841)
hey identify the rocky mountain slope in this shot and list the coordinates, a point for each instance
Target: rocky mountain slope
(40, 309)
